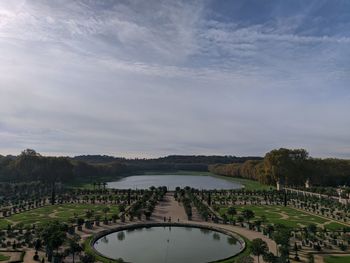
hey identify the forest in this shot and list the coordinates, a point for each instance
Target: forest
(291, 167)
(32, 166)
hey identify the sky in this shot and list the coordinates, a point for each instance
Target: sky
(152, 78)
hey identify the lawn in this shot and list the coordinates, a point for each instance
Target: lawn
(56, 212)
(248, 184)
(335, 226)
(286, 216)
(4, 258)
(3, 223)
(336, 259)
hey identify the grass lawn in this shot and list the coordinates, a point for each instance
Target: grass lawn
(335, 226)
(336, 259)
(4, 223)
(248, 184)
(4, 258)
(286, 216)
(57, 212)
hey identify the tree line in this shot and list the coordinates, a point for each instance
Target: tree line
(32, 166)
(292, 167)
(179, 159)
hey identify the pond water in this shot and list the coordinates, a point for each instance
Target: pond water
(171, 244)
(172, 181)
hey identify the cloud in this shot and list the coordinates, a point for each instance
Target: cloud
(131, 78)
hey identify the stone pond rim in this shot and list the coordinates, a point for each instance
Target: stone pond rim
(106, 232)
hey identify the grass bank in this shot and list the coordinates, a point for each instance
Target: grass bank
(4, 258)
(337, 259)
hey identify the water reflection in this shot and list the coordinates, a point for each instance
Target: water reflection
(168, 244)
(104, 239)
(121, 235)
(232, 241)
(205, 231)
(216, 236)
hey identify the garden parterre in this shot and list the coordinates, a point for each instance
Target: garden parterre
(287, 216)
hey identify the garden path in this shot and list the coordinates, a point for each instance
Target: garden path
(170, 207)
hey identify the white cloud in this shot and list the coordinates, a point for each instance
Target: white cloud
(141, 79)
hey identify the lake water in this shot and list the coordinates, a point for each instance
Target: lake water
(172, 181)
(171, 244)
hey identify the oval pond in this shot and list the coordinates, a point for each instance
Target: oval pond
(171, 244)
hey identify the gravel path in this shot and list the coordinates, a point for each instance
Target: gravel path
(169, 207)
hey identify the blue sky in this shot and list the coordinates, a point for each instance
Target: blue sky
(151, 78)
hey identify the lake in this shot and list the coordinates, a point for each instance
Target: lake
(171, 181)
(171, 244)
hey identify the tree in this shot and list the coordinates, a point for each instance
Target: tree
(311, 258)
(269, 258)
(281, 237)
(296, 252)
(259, 247)
(286, 165)
(231, 211)
(37, 244)
(312, 228)
(115, 217)
(248, 214)
(73, 248)
(105, 211)
(245, 259)
(148, 214)
(89, 214)
(87, 258)
(53, 234)
(209, 199)
(240, 220)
